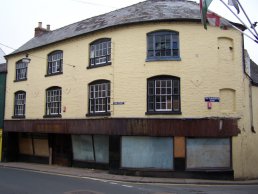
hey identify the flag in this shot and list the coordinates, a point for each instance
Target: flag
(235, 4)
(204, 4)
(215, 20)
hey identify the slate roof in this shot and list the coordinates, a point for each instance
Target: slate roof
(2, 54)
(254, 72)
(147, 11)
(3, 68)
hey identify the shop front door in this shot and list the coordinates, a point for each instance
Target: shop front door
(62, 149)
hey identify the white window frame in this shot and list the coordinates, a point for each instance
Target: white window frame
(55, 62)
(21, 70)
(19, 104)
(99, 98)
(53, 101)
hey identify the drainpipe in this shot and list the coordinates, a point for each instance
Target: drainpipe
(251, 107)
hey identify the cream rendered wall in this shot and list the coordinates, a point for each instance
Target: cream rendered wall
(200, 71)
(245, 155)
(211, 61)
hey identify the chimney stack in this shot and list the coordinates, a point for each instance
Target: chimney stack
(40, 30)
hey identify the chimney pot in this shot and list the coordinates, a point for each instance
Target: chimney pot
(40, 25)
(48, 27)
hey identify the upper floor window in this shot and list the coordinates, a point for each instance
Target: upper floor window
(163, 45)
(21, 70)
(55, 63)
(53, 102)
(99, 98)
(19, 104)
(100, 52)
(163, 95)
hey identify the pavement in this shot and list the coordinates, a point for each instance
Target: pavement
(104, 175)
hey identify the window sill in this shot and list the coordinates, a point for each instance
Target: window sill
(98, 114)
(163, 113)
(53, 116)
(18, 117)
(163, 59)
(20, 80)
(96, 66)
(49, 75)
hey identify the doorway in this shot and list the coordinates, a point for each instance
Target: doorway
(62, 149)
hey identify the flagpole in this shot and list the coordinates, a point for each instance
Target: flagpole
(244, 33)
(233, 26)
(252, 26)
(238, 18)
(224, 20)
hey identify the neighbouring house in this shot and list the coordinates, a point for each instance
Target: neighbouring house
(2, 95)
(142, 90)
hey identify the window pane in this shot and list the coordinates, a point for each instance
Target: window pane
(175, 53)
(176, 103)
(150, 104)
(163, 83)
(169, 103)
(176, 87)
(150, 53)
(150, 42)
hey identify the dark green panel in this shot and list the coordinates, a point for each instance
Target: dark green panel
(2, 97)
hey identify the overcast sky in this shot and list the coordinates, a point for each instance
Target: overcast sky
(18, 18)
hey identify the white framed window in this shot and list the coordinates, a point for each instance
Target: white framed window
(99, 97)
(19, 104)
(55, 62)
(21, 70)
(53, 101)
(100, 52)
(163, 94)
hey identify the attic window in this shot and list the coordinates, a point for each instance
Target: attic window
(163, 45)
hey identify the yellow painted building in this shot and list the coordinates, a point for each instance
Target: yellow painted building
(136, 92)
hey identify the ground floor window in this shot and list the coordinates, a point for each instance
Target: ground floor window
(33, 144)
(208, 153)
(147, 152)
(92, 148)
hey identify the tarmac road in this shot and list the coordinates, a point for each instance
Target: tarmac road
(22, 181)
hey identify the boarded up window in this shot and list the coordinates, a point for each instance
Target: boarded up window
(208, 153)
(227, 100)
(34, 144)
(25, 145)
(91, 148)
(41, 147)
(147, 152)
(179, 149)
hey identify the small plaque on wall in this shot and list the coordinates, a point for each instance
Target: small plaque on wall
(118, 103)
(211, 99)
